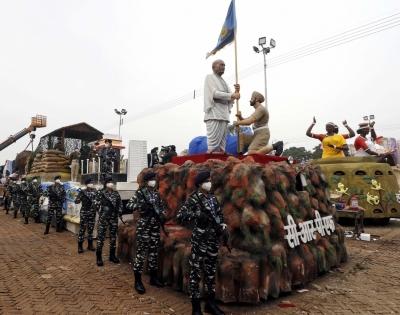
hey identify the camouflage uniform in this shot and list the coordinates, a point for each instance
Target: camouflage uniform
(15, 196)
(152, 210)
(88, 212)
(7, 195)
(110, 208)
(56, 194)
(107, 157)
(34, 193)
(202, 213)
(24, 189)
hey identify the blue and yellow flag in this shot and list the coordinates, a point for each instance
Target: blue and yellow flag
(228, 31)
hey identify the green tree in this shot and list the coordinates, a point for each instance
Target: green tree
(316, 152)
(298, 153)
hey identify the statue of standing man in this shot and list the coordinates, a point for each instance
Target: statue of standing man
(218, 102)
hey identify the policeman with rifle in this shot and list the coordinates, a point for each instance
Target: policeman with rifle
(109, 203)
(203, 214)
(56, 194)
(86, 196)
(151, 208)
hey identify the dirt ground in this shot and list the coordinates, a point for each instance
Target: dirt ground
(45, 275)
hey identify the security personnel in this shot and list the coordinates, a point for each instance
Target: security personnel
(16, 196)
(12, 190)
(108, 158)
(35, 191)
(7, 195)
(109, 203)
(86, 196)
(202, 212)
(56, 194)
(24, 191)
(148, 202)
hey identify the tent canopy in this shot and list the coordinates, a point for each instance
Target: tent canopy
(82, 131)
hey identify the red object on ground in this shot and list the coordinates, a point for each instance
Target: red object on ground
(200, 158)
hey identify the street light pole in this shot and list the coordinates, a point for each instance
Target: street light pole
(120, 113)
(265, 79)
(265, 50)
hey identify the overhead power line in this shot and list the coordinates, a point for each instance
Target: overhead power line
(342, 38)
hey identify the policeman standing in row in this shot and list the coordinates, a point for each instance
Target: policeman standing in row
(108, 158)
(7, 194)
(15, 194)
(24, 190)
(34, 193)
(202, 212)
(56, 194)
(109, 203)
(148, 202)
(86, 196)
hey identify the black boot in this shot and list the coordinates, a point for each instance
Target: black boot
(99, 259)
(59, 228)
(196, 307)
(278, 147)
(154, 279)
(37, 219)
(47, 228)
(90, 245)
(26, 220)
(15, 214)
(80, 248)
(211, 307)
(139, 287)
(113, 258)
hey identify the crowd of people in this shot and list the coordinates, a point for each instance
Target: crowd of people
(334, 144)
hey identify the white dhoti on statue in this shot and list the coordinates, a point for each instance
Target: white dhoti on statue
(217, 109)
(216, 134)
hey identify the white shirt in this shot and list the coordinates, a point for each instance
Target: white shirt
(217, 98)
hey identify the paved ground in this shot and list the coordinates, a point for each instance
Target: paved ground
(45, 275)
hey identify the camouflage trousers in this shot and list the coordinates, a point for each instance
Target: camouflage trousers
(203, 259)
(107, 221)
(24, 206)
(34, 208)
(87, 219)
(147, 243)
(54, 208)
(16, 204)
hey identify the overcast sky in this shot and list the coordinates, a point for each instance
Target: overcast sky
(76, 61)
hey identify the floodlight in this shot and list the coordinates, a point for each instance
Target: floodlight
(365, 117)
(262, 41)
(117, 111)
(124, 111)
(371, 117)
(256, 49)
(272, 43)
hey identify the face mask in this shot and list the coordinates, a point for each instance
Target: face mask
(58, 181)
(34, 181)
(206, 186)
(151, 183)
(110, 185)
(89, 185)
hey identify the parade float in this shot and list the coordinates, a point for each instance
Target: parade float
(373, 185)
(281, 221)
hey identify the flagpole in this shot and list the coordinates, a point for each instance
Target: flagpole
(237, 82)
